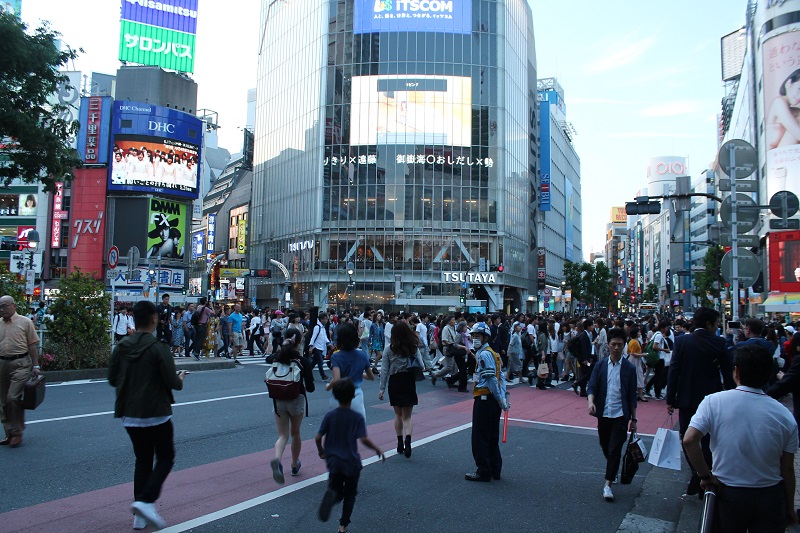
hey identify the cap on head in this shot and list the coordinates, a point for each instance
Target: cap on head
(482, 328)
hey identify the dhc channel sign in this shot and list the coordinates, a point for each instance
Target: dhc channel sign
(443, 16)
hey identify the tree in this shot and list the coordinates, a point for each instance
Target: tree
(34, 138)
(574, 276)
(650, 293)
(600, 284)
(11, 285)
(704, 280)
(78, 337)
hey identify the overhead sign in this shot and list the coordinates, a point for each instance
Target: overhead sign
(469, 277)
(233, 272)
(442, 16)
(18, 262)
(179, 15)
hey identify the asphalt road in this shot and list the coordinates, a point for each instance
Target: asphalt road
(76, 458)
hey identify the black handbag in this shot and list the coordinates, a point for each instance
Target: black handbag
(33, 394)
(630, 462)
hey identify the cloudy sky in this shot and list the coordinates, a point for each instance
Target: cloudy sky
(641, 79)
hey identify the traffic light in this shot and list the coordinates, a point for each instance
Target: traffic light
(616, 294)
(643, 208)
(184, 292)
(683, 291)
(463, 299)
(500, 268)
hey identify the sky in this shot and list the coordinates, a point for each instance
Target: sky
(641, 79)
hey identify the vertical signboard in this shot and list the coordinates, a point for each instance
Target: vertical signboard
(569, 214)
(87, 250)
(166, 229)
(161, 34)
(657, 253)
(58, 215)
(198, 242)
(541, 268)
(212, 232)
(95, 133)
(241, 237)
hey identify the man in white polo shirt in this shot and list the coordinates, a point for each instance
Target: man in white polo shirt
(753, 442)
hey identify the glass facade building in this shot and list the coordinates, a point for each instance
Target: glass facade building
(401, 137)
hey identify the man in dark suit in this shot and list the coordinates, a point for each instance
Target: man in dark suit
(612, 399)
(586, 358)
(694, 373)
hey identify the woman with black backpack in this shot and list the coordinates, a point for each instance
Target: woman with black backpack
(289, 412)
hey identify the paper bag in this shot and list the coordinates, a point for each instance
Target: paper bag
(666, 450)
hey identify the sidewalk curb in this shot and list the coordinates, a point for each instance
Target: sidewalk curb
(61, 376)
(655, 509)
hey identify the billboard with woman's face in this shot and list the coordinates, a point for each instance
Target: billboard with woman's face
(782, 108)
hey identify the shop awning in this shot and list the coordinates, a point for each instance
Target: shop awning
(782, 302)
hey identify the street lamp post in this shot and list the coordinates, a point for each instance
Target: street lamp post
(30, 270)
(351, 269)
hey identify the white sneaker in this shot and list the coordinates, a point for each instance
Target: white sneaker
(139, 522)
(149, 513)
(607, 494)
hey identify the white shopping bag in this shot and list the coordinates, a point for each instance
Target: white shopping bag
(666, 450)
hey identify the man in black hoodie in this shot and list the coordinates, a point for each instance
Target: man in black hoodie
(143, 372)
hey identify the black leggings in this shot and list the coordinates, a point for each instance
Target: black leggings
(346, 488)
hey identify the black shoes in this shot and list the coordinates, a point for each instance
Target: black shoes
(327, 503)
(407, 450)
(400, 445)
(433, 380)
(477, 477)
(575, 388)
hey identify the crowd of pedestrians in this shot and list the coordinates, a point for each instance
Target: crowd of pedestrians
(615, 362)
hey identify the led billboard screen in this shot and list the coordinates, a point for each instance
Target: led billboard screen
(155, 149)
(448, 16)
(411, 110)
(166, 229)
(159, 47)
(782, 102)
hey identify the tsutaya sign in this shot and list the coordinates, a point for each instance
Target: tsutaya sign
(300, 246)
(469, 277)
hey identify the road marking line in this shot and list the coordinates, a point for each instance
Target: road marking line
(77, 382)
(593, 430)
(264, 498)
(89, 415)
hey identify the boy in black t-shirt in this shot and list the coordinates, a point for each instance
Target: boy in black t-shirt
(342, 428)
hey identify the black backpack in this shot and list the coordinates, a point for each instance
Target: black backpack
(574, 345)
(526, 341)
(195, 320)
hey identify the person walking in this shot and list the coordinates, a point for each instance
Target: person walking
(753, 440)
(289, 413)
(461, 350)
(585, 356)
(143, 373)
(237, 339)
(177, 332)
(212, 334)
(612, 399)
(376, 340)
(200, 323)
(636, 357)
(449, 338)
(700, 366)
(318, 345)
(402, 384)
(350, 362)
(342, 428)
(188, 329)
(276, 327)
(19, 359)
(225, 332)
(514, 352)
(490, 398)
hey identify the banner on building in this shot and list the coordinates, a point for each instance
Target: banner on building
(569, 222)
(160, 34)
(241, 237)
(95, 133)
(87, 216)
(166, 230)
(441, 16)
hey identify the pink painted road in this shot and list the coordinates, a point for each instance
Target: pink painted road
(197, 491)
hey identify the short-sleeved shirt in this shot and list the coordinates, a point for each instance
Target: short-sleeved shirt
(351, 363)
(187, 319)
(749, 432)
(16, 335)
(223, 324)
(342, 427)
(236, 322)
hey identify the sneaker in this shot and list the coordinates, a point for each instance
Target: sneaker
(647, 394)
(236, 362)
(296, 469)
(607, 494)
(325, 506)
(139, 522)
(148, 512)
(277, 471)
(659, 397)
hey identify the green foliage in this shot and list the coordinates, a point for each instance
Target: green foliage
(11, 285)
(573, 275)
(600, 284)
(589, 281)
(78, 337)
(704, 280)
(650, 293)
(39, 148)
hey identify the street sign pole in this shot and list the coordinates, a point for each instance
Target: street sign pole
(734, 238)
(113, 299)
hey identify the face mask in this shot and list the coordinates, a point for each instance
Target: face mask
(476, 343)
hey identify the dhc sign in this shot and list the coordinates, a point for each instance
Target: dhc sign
(489, 278)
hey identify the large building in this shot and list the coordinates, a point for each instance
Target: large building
(760, 72)
(560, 207)
(398, 141)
